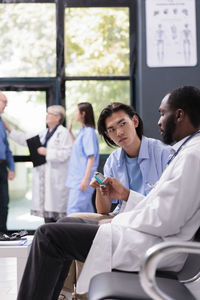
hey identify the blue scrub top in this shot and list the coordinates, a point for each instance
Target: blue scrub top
(85, 145)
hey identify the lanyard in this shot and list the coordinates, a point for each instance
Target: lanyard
(175, 153)
(49, 135)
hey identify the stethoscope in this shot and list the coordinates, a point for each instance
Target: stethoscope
(177, 151)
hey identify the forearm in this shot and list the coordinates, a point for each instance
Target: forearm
(19, 137)
(62, 151)
(72, 135)
(89, 166)
(103, 204)
(58, 154)
(10, 161)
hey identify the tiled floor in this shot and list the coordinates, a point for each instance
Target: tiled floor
(8, 278)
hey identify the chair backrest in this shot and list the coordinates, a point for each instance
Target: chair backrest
(102, 160)
(191, 268)
(150, 264)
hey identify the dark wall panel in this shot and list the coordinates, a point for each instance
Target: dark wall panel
(153, 83)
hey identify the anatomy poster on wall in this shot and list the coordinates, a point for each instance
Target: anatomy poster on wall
(171, 33)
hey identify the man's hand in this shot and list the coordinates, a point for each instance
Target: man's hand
(42, 151)
(103, 203)
(114, 189)
(11, 175)
(94, 183)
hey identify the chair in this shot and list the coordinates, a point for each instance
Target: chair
(189, 274)
(102, 160)
(150, 283)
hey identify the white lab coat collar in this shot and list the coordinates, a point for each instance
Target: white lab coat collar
(176, 146)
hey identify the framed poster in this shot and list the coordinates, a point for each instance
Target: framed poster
(171, 33)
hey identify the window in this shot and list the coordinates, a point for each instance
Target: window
(97, 55)
(61, 52)
(97, 41)
(28, 40)
(100, 94)
(26, 111)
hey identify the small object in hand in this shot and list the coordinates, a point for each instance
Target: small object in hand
(100, 178)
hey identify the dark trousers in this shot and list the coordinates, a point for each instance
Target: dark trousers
(4, 197)
(50, 220)
(54, 247)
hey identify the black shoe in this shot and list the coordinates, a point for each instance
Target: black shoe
(14, 236)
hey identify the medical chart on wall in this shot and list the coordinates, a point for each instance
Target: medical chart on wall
(171, 33)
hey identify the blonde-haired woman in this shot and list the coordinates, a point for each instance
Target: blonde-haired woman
(49, 193)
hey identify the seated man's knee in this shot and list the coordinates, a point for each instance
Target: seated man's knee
(61, 220)
(44, 230)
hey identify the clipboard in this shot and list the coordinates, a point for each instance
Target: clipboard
(33, 144)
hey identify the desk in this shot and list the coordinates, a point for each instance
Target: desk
(21, 253)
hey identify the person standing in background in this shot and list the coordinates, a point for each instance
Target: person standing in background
(84, 161)
(49, 193)
(6, 168)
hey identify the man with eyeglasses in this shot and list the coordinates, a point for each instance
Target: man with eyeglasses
(6, 168)
(137, 163)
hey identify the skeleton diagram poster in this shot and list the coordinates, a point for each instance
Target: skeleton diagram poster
(171, 33)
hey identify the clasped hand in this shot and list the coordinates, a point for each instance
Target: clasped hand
(42, 150)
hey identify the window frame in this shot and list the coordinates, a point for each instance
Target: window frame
(55, 86)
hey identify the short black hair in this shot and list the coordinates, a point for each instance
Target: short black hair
(108, 111)
(89, 119)
(187, 98)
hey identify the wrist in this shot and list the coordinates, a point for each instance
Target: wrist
(126, 193)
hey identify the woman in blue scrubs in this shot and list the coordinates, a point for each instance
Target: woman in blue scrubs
(84, 162)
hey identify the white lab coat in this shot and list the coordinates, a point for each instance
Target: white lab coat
(170, 212)
(49, 193)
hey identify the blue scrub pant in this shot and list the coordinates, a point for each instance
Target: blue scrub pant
(80, 201)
